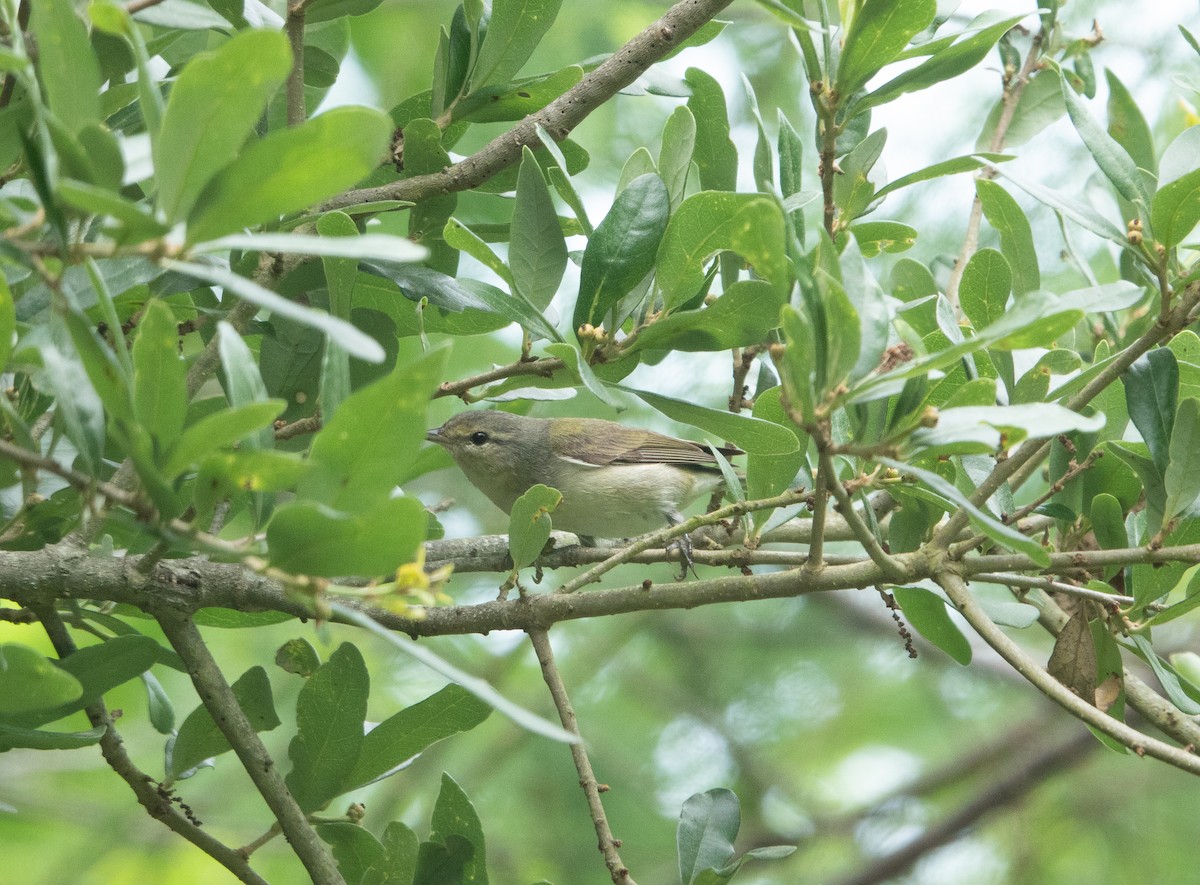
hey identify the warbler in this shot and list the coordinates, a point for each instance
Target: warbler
(616, 481)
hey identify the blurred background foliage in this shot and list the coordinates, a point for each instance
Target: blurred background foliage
(811, 710)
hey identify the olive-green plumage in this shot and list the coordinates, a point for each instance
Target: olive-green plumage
(616, 481)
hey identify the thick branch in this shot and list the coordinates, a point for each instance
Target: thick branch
(587, 778)
(559, 117)
(218, 697)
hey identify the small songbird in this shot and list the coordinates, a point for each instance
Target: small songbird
(616, 481)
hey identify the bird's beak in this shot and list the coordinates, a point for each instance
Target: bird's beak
(434, 436)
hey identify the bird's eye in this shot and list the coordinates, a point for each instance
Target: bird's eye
(479, 437)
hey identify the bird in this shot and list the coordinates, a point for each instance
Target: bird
(616, 481)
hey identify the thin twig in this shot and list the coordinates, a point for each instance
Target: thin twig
(1142, 744)
(657, 539)
(544, 367)
(1013, 88)
(886, 562)
(816, 547)
(156, 801)
(297, 113)
(587, 778)
(219, 699)
(1027, 581)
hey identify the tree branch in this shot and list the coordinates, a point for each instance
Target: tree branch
(297, 113)
(219, 699)
(587, 778)
(964, 601)
(1012, 787)
(559, 117)
(156, 801)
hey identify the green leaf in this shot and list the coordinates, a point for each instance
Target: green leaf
(1040, 104)
(1108, 522)
(1176, 209)
(854, 189)
(537, 253)
(307, 538)
(354, 848)
(69, 72)
(983, 290)
(8, 323)
(1151, 391)
(1127, 125)
(1182, 475)
(530, 524)
(29, 681)
(1166, 677)
(159, 376)
(1187, 587)
(136, 223)
(1114, 161)
(1016, 236)
(299, 657)
(579, 367)
(454, 815)
(945, 167)
(926, 611)
(799, 369)
(675, 155)
(744, 314)
(215, 102)
(459, 236)
(406, 734)
(199, 737)
(99, 669)
(361, 453)
(515, 308)
(770, 475)
(622, 249)
(968, 50)
(358, 343)
(989, 525)
(328, 10)
(753, 435)
(708, 824)
(290, 170)
(473, 684)
(515, 101)
(220, 430)
(876, 35)
(1075, 210)
(709, 222)
(874, 237)
(715, 155)
(330, 712)
(35, 739)
(1001, 426)
(514, 30)
(77, 405)
(399, 865)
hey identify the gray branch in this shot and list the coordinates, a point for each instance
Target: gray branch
(558, 118)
